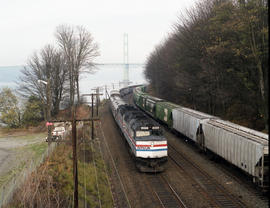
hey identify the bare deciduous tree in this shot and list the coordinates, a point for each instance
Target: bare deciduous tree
(49, 64)
(79, 49)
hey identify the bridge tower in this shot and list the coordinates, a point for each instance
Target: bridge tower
(126, 81)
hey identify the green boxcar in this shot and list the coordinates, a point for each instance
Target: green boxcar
(156, 107)
(139, 97)
(142, 100)
(164, 112)
(150, 104)
(135, 96)
(143, 88)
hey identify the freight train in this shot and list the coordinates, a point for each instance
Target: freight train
(245, 148)
(143, 135)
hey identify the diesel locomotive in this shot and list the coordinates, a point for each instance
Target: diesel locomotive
(144, 136)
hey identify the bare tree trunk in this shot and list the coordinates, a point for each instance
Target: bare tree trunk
(256, 51)
(78, 89)
(44, 111)
(57, 107)
(262, 91)
(71, 86)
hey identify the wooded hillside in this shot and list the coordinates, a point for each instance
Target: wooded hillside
(216, 61)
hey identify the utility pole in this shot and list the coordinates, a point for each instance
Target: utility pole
(92, 136)
(48, 107)
(49, 104)
(97, 99)
(73, 121)
(97, 90)
(92, 111)
(74, 150)
(105, 92)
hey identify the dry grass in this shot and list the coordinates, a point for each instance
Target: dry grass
(52, 184)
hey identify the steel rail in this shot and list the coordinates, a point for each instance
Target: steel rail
(114, 165)
(174, 192)
(215, 190)
(161, 188)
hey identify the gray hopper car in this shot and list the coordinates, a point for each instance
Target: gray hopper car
(243, 147)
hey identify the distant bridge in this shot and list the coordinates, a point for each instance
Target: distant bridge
(119, 64)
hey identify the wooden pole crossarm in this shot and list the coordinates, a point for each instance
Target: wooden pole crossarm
(91, 94)
(70, 120)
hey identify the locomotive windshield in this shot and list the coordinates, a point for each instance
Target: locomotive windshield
(148, 133)
(157, 132)
(142, 133)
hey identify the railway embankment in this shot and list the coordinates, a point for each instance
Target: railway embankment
(20, 153)
(51, 183)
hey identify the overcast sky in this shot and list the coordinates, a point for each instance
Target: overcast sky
(27, 25)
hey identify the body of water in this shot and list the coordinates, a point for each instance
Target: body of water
(110, 75)
(9, 75)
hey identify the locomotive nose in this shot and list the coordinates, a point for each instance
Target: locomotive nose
(153, 164)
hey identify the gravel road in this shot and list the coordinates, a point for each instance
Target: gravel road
(8, 145)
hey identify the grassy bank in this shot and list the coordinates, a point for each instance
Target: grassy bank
(52, 184)
(23, 150)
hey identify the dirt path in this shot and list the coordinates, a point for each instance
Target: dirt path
(5, 157)
(9, 146)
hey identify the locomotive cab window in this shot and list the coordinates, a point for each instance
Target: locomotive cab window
(142, 133)
(157, 132)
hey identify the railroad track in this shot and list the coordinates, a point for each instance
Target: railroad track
(244, 181)
(164, 192)
(206, 184)
(121, 198)
(125, 178)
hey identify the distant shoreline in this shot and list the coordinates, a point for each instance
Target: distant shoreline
(15, 66)
(105, 75)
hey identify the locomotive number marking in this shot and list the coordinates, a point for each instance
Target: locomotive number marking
(144, 148)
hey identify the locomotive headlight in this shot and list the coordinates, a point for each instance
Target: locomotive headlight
(155, 127)
(152, 144)
(144, 127)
